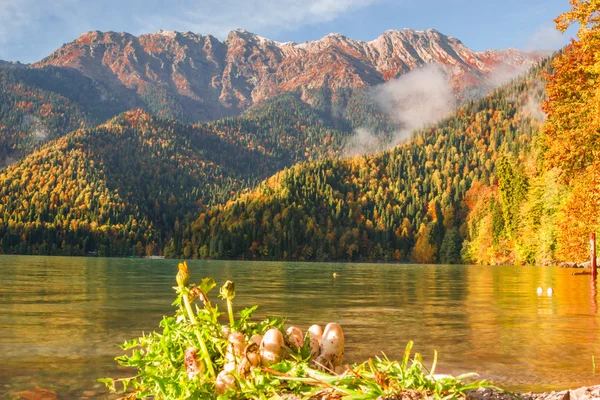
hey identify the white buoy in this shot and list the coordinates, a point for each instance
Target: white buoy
(550, 291)
(540, 291)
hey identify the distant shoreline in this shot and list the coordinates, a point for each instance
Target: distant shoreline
(565, 265)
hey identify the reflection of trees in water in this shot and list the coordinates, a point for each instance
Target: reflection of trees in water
(64, 316)
(545, 340)
(594, 295)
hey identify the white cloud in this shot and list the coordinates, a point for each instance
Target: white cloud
(43, 21)
(503, 74)
(218, 17)
(546, 38)
(533, 106)
(415, 100)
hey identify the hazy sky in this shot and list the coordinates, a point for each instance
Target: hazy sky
(31, 29)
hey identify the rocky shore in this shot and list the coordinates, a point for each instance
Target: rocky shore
(584, 393)
(586, 264)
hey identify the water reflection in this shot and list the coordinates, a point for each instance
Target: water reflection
(60, 318)
(594, 294)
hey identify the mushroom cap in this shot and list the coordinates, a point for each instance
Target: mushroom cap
(294, 337)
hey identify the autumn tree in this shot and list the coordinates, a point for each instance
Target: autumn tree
(572, 130)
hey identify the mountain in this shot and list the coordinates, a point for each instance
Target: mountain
(134, 184)
(41, 104)
(8, 64)
(109, 187)
(406, 203)
(287, 130)
(192, 77)
(126, 187)
(38, 105)
(30, 116)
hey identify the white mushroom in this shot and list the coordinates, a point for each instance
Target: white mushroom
(332, 344)
(315, 333)
(236, 346)
(294, 337)
(250, 360)
(224, 382)
(323, 364)
(339, 370)
(271, 347)
(254, 359)
(256, 338)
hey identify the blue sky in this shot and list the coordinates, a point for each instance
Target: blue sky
(32, 29)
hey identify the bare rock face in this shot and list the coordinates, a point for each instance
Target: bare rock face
(207, 78)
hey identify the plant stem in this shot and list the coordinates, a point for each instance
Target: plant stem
(203, 348)
(230, 312)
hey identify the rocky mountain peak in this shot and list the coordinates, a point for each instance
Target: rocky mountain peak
(205, 78)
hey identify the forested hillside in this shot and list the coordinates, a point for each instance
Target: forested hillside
(130, 185)
(285, 129)
(38, 105)
(119, 188)
(193, 78)
(407, 203)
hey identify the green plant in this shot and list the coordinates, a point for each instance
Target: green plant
(169, 364)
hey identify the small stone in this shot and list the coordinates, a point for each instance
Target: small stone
(480, 394)
(580, 394)
(564, 395)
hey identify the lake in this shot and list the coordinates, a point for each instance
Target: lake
(61, 318)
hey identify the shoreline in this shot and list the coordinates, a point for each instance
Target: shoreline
(582, 393)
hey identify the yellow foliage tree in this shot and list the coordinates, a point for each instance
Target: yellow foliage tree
(579, 216)
(424, 251)
(572, 130)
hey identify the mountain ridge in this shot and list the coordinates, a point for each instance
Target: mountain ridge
(202, 78)
(136, 177)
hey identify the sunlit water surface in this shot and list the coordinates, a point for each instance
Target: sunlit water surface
(61, 318)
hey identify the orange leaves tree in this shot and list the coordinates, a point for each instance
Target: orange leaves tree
(572, 130)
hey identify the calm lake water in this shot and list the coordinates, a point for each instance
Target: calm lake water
(61, 318)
